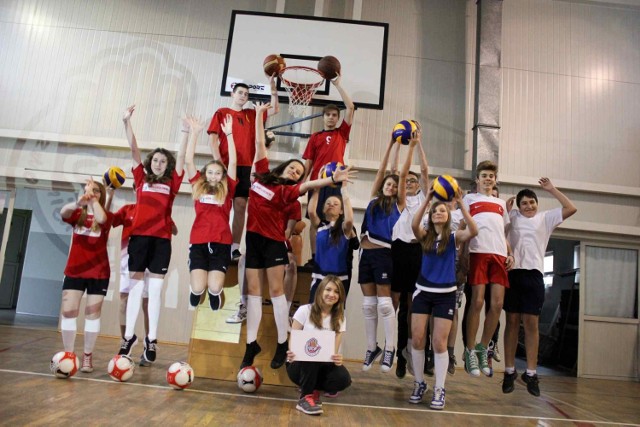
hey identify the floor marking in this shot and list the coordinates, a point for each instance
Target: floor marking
(22, 344)
(346, 405)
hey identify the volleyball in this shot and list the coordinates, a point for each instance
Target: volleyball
(329, 170)
(445, 188)
(121, 368)
(114, 177)
(403, 130)
(180, 375)
(64, 364)
(249, 379)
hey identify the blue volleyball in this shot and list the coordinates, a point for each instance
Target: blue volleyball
(114, 177)
(402, 131)
(445, 188)
(329, 169)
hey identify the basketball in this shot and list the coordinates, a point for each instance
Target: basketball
(121, 368)
(180, 375)
(249, 379)
(329, 67)
(114, 177)
(329, 169)
(403, 130)
(445, 188)
(273, 64)
(64, 364)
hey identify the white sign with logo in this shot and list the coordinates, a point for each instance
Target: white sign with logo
(313, 346)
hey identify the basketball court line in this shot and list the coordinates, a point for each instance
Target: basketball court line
(346, 405)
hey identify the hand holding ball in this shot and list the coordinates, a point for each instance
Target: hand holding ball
(445, 188)
(403, 131)
(273, 64)
(329, 67)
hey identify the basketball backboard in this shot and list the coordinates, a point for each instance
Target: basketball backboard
(360, 46)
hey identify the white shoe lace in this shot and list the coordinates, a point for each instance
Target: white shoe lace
(388, 356)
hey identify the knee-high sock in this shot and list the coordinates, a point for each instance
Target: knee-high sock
(91, 330)
(441, 361)
(254, 316)
(133, 307)
(68, 326)
(417, 357)
(281, 316)
(388, 315)
(155, 303)
(370, 312)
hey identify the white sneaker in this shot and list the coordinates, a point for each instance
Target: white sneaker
(239, 316)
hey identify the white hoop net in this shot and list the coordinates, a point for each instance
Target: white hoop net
(301, 84)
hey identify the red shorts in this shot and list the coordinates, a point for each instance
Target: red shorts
(487, 269)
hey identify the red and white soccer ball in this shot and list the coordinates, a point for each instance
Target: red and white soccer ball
(180, 375)
(64, 364)
(121, 368)
(249, 379)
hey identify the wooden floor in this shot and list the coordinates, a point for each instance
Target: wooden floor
(29, 394)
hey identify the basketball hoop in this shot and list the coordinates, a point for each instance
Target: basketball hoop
(301, 84)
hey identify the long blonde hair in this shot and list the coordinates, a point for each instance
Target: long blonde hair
(202, 186)
(337, 311)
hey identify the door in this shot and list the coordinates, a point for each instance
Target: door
(14, 258)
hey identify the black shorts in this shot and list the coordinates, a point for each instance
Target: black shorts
(243, 175)
(525, 293)
(92, 286)
(407, 260)
(263, 252)
(375, 266)
(209, 257)
(149, 252)
(435, 304)
(325, 193)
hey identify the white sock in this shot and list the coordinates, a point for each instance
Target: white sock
(68, 327)
(155, 303)
(370, 312)
(509, 370)
(289, 306)
(91, 330)
(388, 315)
(194, 292)
(133, 307)
(417, 357)
(531, 372)
(235, 246)
(254, 316)
(441, 363)
(281, 316)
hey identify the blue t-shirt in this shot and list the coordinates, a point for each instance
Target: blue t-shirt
(438, 272)
(378, 225)
(331, 258)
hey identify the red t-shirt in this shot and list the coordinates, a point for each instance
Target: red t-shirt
(88, 258)
(244, 134)
(293, 211)
(212, 217)
(124, 218)
(267, 204)
(154, 204)
(327, 146)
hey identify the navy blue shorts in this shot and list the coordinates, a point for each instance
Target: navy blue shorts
(209, 257)
(525, 293)
(375, 266)
(92, 286)
(435, 304)
(149, 252)
(263, 252)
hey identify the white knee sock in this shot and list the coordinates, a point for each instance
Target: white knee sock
(417, 357)
(388, 315)
(155, 303)
(441, 363)
(281, 316)
(68, 327)
(133, 307)
(91, 330)
(370, 312)
(254, 316)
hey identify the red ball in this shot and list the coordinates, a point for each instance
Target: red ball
(273, 64)
(329, 67)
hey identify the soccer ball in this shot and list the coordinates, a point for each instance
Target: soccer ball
(64, 364)
(180, 375)
(121, 368)
(249, 379)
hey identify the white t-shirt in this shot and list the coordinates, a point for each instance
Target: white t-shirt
(456, 219)
(402, 229)
(302, 316)
(491, 217)
(529, 237)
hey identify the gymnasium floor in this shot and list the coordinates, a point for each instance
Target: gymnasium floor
(31, 396)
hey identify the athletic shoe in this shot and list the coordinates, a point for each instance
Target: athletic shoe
(494, 352)
(483, 359)
(370, 357)
(307, 405)
(143, 361)
(419, 389)
(387, 360)
(401, 365)
(429, 364)
(437, 402)
(532, 383)
(451, 369)
(239, 316)
(250, 352)
(407, 356)
(471, 363)
(150, 348)
(508, 382)
(316, 398)
(330, 395)
(490, 360)
(280, 356)
(194, 300)
(216, 301)
(87, 363)
(235, 255)
(126, 345)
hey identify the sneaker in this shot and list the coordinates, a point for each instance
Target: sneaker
(87, 363)
(251, 351)
(280, 356)
(387, 360)
(437, 402)
(370, 357)
(490, 360)
(216, 302)
(239, 316)
(429, 364)
(307, 405)
(316, 398)
(451, 369)
(471, 363)
(419, 389)
(508, 382)
(330, 395)
(483, 359)
(126, 345)
(143, 361)
(407, 357)
(401, 366)
(194, 300)
(496, 354)
(150, 348)
(235, 255)
(532, 383)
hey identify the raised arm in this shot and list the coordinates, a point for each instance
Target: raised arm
(340, 175)
(182, 148)
(416, 222)
(275, 103)
(382, 170)
(227, 128)
(395, 159)
(424, 169)
(261, 148)
(470, 229)
(568, 208)
(214, 146)
(195, 127)
(110, 192)
(348, 103)
(347, 208)
(131, 137)
(312, 209)
(402, 187)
